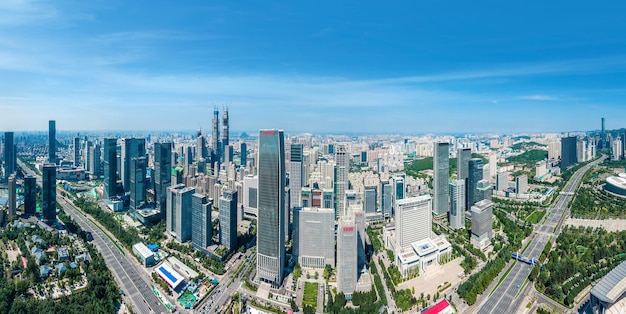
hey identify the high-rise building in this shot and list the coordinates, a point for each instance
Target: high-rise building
(10, 156)
(398, 188)
(328, 198)
(568, 152)
(76, 151)
(342, 160)
(493, 165)
(225, 138)
(296, 173)
(271, 212)
(369, 196)
(87, 154)
(94, 161)
(385, 198)
(475, 174)
(110, 167)
(201, 149)
(482, 217)
(162, 176)
(441, 167)
(314, 236)
(49, 194)
(137, 182)
(616, 150)
(413, 220)
(201, 226)
(463, 157)
(251, 195)
(178, 220)
(30, 195)
(347, 255)
(521, 184)
(485, 190)
(502, 181)
(52, 142)
(12, 187)
(581, 150)
(243, 154)
(601, 143)
(131, 148)
(228, 219)
(457, 204)
(215, 139)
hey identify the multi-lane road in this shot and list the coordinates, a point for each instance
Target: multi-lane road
(138, 291)
(502, 300)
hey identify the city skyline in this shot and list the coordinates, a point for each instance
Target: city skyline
(326, 67)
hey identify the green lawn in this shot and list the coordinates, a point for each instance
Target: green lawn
(310, 294)
(536, 216)
(529, 158)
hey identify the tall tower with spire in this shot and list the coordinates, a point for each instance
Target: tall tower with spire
(224, 143)
(215, 137)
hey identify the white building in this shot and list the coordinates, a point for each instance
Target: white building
(482, 230)
(314, 236)
(250, 195)
(457, 204)
(144, 253)
(413, 220)
(347, 256)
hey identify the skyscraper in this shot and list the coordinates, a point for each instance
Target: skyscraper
(502, 181)
(52, 142)
(201, 226)
(413, 220)
(131, 148)
(76, 151)
(484, 190)
(201, 149)
(370, 197)
(342, 160)
(110, 167)
(271, 212)
(475, 174)
(12, 187)
(296, 173)
(162, 174)
(137, 182)
(457, 204)
(463, 157)
(385, 198)
(314, 236)
(215, 139)
(521, 184)
(441, 167)
(225, 142)
(482, 223)
(228, 219)
(347, 255)
(87, 154)
(251, 195)
(30, 195)
(602, 142)
(243, 154)
(178, 222)
(94, 161)
(568, 152)
(10, 156)
(49, 194)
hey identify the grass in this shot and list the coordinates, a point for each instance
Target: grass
(503, 277)
(310, 294)
(535, 217)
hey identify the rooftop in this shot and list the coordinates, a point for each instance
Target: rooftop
(612, 286)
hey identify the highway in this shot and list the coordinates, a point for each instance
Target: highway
(501, 301)
(123, 267)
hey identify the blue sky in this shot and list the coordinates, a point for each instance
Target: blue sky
(314, 66)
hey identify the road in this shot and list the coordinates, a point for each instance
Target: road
(222, 293)
(501, 301)
(123, 267)
(391, 304)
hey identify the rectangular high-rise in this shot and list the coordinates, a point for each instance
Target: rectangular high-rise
(251, 195)
(385, 198)
(484, 190)
(475, 174)
(94, 161)
(463, 157)
(521, 184)
(49, 194)
(137, 182)
(314, 236)
(76, 151)
(12, 187)
(228, 219)
(441, 167)
(342, 161)
(52, 142)
(369, 196)
(457, 204)
(296, 173)
(110, 167)
(162, 176)
(482, 216)
(201, 226)
(413, 220)
(30, 195)
(178, 222)
(347, 255)
(131, 148)
(243, 154)
(568, 152)
(10, 156)
(271, 211)
(502, 181)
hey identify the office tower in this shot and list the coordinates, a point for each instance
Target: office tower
(49, 194)
(52, 142)
(385, 198)
(162, 175)
(87, 155)
(137, 182)
(601, 143)
(201, 149)
(178, 218)
(131, 148)
(463, 157)
(502, 181)
(521, 184)
(271, 212)
(568, 152)
(328, 198)
(359, 221)
(370, 199)
(347, 255)
(201, 226)
(493, 165)
(413, 220)
(399, 189)
(110, 167)
(482, 224)
(30, 195)
(228, 154)
(441, 167)
(228, 219)
(342, 160)
(215, 138)
(484, 190)
(581, 150)
(457, 204)
(296, 173)
(12, 187)
(225, 142)
(250, 195)
(187, 159)
(10, 156)
(554, 150)
(314, 236)
(475, 174)
(617, 150)
(76, 151)
(243, 154)
(94, 161)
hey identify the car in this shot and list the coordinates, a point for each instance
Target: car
(518, 285)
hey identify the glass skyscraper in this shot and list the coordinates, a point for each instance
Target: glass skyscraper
(110, 167)
(228, 219)
(49, 194)
(440, 181)
(52, 142)
(271, 233)
(475, 175)
(162, 175)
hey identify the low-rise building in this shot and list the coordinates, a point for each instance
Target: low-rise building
(146, 256)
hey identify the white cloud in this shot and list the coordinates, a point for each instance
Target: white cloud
(540, 98)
